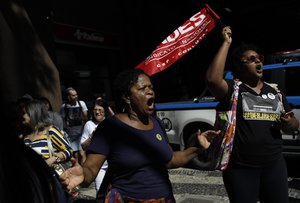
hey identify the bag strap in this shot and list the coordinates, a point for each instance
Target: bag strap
(49, 143)
(235, 94)
(275, 87)
(228, 137)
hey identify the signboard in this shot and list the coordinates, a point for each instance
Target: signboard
(70, 34)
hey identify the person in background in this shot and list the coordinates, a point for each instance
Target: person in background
(16, 115)
(54, 116)
(24, 175)
(34, 181)
(98, 115)
(37, 118)
(74, 113)
(256, 170)
(135, 145)
(102, 97)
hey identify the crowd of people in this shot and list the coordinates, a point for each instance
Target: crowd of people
(57, 136)
(126, 152)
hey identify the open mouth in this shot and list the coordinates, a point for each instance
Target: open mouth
(259, 68)
(150, 103)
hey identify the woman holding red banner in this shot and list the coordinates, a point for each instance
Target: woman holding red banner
(256, 170)
(135, 145)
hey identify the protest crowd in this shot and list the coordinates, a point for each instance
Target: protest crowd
(124, 149)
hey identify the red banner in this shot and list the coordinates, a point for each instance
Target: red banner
(180, 42)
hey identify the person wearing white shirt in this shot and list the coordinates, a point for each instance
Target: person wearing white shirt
(90, 126)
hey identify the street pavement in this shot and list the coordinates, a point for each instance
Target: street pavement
(195, 186)
(191, 186)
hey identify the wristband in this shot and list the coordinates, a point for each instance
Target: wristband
(57, 160)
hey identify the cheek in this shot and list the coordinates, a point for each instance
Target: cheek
(26, 119)
(134, 98)
(247, 68)
(253, 69)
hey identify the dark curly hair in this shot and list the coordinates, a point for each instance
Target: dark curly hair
(122, 84)
(237, 54)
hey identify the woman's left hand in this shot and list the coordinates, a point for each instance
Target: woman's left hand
(289, 122)
(73, 176)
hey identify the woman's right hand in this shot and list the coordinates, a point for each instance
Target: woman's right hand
(73, 176)
(227, 33)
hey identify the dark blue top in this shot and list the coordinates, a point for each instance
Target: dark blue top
(136, 158)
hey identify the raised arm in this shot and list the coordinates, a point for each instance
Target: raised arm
(214, 75)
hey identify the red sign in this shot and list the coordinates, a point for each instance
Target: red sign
(180, 42)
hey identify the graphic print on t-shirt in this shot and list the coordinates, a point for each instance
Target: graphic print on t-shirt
(74, 116)
(262, 107)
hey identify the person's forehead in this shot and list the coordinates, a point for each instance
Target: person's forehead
(143, 79)
(98, 107)
(73, 92)
(250, 52)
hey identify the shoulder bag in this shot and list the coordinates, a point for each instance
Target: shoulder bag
(226, 122)
(59, 168)
(216, 157)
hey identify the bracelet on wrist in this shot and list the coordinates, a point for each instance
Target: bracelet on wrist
(57, 160)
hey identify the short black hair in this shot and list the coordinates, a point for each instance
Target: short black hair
(122, 84)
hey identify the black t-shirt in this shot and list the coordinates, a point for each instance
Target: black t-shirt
(257, 139)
